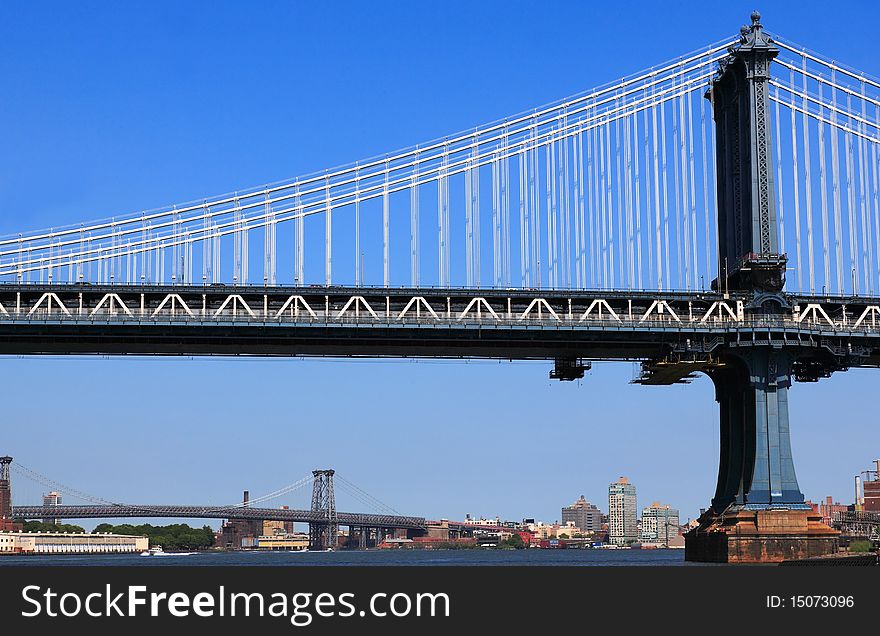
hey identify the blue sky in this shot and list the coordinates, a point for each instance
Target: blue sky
(111, 108)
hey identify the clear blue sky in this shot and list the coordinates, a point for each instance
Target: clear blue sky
(115, 107)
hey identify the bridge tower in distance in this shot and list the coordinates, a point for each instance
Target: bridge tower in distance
(5, 495)
(758, 513)
(323, 532)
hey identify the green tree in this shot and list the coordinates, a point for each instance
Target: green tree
(514, 541)
(177, 536)
(860, 545)
(39, 526)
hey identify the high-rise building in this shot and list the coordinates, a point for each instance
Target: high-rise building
(584, 515)
(659, 524)
(52, 499)
(622, 524)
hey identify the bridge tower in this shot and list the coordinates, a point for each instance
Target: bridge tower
(5, 495)
(758, 511)
(323, 533)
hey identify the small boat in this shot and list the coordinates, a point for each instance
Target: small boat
(156, 550)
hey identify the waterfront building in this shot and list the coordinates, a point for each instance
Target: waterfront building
(586, 516)
(660, 524)
(70, 543)
(622, 524)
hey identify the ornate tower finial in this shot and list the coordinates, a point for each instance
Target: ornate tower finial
(756, 18)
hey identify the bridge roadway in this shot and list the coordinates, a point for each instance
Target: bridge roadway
(215, 512)
(421, 322)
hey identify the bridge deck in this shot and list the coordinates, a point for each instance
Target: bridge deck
(353, 321)
(214, 512)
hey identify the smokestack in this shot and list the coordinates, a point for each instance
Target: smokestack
(877, 466)
(246, 498)
(858, 492)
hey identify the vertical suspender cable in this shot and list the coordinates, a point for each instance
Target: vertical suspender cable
(576, 161)
(505, 211)
(867, 256)
(475, 214)
(649, 234)
(582, 212)
(496, 229)
(657, 208)
(328, 235)
(386, 231)
(808, 183)
(638, 192)
(667, 278)
(566, 168)
(358, 281)
(823, 194)
(852, 219)
(414, 223)
(693, 192)
(523, 223)
(875, 186)
(628, 199)
(796, 186)
(835, 185)
(685, 189)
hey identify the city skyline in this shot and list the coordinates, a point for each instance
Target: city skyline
(195, 418)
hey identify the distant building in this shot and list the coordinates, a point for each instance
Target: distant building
(52, 499)
(492, 523)
(584, 515)
(828, 508)
(63, 543)
(872, 492)
(622, 524)
(659, 524)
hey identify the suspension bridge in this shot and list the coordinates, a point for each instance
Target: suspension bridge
(657, 218)
(322, 517)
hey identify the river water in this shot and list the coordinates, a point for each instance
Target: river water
(371, 557)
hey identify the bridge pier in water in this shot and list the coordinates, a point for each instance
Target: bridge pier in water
(758, 513)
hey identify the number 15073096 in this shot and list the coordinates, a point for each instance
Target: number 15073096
(809, 601)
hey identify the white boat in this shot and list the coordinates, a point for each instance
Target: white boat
(158, 551)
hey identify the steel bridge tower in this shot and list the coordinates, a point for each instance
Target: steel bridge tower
(757, 490)
(323, 533)
(5, 492)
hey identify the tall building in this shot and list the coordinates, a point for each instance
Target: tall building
(622, 524)
(584, 515)
(659, 524)
(52, 499)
